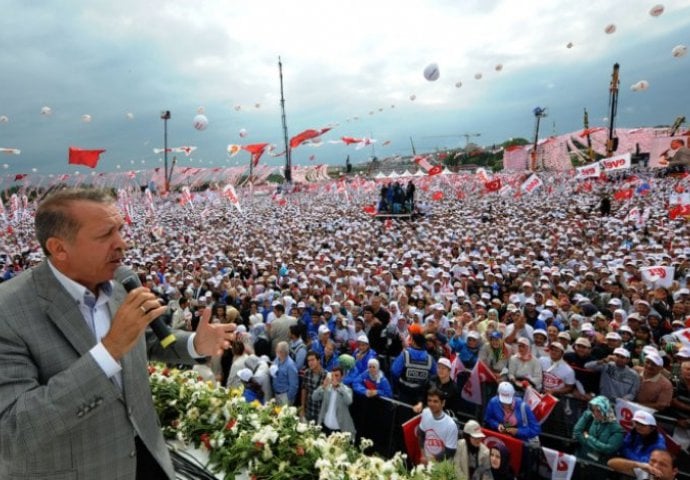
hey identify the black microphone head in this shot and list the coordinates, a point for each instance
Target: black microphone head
(127, 277)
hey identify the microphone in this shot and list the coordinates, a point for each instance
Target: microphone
(130, 280)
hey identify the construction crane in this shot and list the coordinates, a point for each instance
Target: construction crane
(612, 141)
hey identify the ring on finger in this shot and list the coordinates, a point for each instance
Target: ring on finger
(141, 307)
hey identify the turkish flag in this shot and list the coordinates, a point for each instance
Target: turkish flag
(513, 445)
(541, 405)
(409, 429)
(493, 185)
(256, 149)
(302, 137)
(435, 170)
(79, 156)
(370, 209)
(625, 194)
(437, 196)
(480, 374)
(20, 176)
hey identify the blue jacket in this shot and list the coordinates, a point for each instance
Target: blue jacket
(359, 368)
(286, 379)
(634, 449)
(493, 417)
(467, 356)
(383, 387)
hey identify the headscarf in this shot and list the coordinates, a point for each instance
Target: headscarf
(378, 375)
(604, 406)
(504, 471)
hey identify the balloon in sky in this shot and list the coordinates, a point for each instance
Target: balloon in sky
(413, 97)
(610, 28)
(4, 119)
(257, 105)
(200, 122)
(458, 84)
(679, 51)
(569, 45)
(499, 67)
(431, 72)
(243, 132)
(46, 111)
(86, 118)
(478, 76)
(640, 86)
(201, 110)
(656, 10)
(237, 108)
(130, 116)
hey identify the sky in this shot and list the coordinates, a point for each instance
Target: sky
(353, 65)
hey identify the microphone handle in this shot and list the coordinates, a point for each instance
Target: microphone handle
(165, 336)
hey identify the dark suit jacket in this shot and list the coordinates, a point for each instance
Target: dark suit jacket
(60, 416)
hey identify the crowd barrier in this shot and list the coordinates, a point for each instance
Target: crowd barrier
(557, 434)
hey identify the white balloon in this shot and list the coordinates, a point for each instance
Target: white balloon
(679, 51)
(129, 116)
(86, 118)
(458, 84)
(46, 111)
(478, 76)
(201, 110)
(243, 132)
(569, 45)
(431, 72)
(4, 165)
(371, 112)
(34, 169)
(644, 84)
(413, 97)
(4, 119)
(656, 10)
(610, 28)
(200, 122)
(238, 108)
(635, 87)
(499, 67)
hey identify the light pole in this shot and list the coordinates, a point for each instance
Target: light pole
(539, 113)
(165, 116)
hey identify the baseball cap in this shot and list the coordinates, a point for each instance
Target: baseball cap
(557, 345)
(683, 352)
(524, 340)
(473, 429)
(613, 336)
(363, 339)
(473, 334)
(565, 336)
(623, 352)
(539, 331)
(656, 359)
(625, 328)
(323, 329)
(445, 362)
(496, 334)
(584, 342)
(645, 418)
(506, 392)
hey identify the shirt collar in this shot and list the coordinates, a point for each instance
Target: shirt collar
(78, 291)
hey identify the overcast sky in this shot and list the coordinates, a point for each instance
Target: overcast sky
(353, 64)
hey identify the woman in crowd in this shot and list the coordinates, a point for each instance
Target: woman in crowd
(369, 411)
(495, 354)
(499, 468)
(641, 441)
(508, 414)
(598, 431)
(472, 455)
(523, 368)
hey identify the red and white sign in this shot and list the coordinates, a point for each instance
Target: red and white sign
(593, 170)
(472, 391)
(541, 405)
(562, 465)
(619, 162)
(231, 195)
(513, 445)
(659, 275)
(532, 183)
(625, 410)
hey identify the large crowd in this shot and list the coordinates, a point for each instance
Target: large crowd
(341, 314)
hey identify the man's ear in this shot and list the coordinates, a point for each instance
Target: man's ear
(56, 248)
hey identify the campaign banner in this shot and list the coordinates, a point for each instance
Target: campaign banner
(588, 171)
(658, 275)
(541, 405)
(619, 162)
(512, 444)
(561, 464)
(531, 184)
(625, 410)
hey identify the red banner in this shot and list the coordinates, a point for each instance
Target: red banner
(410, 436)
(513, 445)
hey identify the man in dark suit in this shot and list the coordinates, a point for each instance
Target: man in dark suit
(75, 400)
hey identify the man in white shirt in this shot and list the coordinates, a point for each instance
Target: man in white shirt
(559, 377)
(437, 432)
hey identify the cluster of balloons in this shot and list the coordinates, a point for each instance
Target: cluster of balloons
(640, 86)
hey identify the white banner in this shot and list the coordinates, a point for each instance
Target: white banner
(588, 171)
(619, 162)
(561, 464)
(625, 410)
(658, 276)
(531, 184)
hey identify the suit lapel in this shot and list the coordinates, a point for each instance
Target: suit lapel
(63, 310)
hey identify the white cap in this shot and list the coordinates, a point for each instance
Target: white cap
(363, 339)
(473, 334)
(645, 418)
(323, 329)
(613, 336)
(557, 345)
(445, 362)
(683, 352)
(656, 359)
(524, 341)
(625, 328)
(506, 392)
(622, 352)
(245, 374)
(539, 331)
(473, 429)
(584, 342)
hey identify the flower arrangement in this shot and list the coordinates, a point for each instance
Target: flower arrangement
(266, 441)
